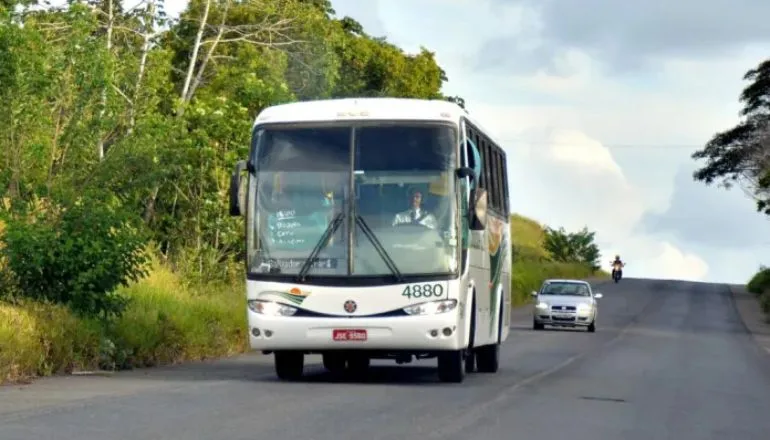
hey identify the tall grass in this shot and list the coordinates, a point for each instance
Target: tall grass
(165, 323)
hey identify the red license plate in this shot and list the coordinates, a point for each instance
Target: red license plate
(349, 335)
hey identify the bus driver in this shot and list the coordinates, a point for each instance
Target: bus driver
(416, 215)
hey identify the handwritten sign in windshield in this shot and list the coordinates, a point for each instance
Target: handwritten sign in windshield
(288, 230)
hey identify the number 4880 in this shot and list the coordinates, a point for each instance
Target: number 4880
(426, 290)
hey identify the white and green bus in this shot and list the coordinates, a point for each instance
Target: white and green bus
(360, 243)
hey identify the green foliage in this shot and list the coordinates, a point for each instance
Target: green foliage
(531, 261)
(578, 247)
(78, 258)
(760, 282)
(739, 154)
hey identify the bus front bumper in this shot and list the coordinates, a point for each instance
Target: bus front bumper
(408, 333)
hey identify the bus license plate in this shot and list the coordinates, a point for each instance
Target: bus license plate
(349, 335)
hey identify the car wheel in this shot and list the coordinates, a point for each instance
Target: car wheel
(592, 327)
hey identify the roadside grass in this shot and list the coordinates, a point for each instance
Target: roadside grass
(165, 323)
(169, 321)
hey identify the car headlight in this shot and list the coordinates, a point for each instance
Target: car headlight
(584, 307)
(542, 305)
(271, 308)
(432, 308)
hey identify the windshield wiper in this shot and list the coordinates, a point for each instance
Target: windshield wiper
(330, 230)
(380, 249)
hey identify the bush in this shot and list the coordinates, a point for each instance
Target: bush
(78, 258)
(760, 282)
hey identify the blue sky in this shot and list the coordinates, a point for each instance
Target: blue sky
(599, 104)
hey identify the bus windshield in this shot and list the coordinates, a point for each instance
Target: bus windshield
(363, 199)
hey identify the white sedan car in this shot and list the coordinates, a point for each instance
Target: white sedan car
(565, 303)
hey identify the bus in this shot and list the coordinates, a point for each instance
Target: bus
(376, 228)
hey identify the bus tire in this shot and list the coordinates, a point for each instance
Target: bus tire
(334, 362)
(289, 365)
(358, 365)
(451, 366)
(470, 354)
(488, 357)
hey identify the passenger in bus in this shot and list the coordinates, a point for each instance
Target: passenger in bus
(416, 215)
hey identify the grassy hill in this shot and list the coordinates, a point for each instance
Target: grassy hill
(530, 262)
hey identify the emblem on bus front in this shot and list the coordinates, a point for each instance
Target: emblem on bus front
(350, 306)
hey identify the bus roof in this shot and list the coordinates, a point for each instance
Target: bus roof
(366, 108)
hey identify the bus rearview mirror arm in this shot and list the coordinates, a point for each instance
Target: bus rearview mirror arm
(477, 202)
(464, 172)
(235, 188)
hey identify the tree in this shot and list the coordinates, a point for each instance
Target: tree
(742, 154)
(578, 247)
(457, 100)
(105, 101)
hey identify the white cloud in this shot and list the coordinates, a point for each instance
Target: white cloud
(574, 181)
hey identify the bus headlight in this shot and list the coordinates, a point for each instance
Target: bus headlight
(432, 308)
(270, 308)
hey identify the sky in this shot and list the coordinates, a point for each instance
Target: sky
(599, 105)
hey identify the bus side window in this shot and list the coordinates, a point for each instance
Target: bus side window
(474, 160)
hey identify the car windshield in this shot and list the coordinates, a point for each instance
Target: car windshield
(567, 289)
(383, 194)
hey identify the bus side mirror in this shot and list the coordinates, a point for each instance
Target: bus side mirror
(478, 213)
(235, 189)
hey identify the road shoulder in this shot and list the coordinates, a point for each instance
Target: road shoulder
(750, 313)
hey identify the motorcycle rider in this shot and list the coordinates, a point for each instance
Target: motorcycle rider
(615, 263)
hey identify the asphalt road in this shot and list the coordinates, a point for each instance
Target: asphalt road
(668, 360)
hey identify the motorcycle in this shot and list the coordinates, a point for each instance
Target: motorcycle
(617, 270)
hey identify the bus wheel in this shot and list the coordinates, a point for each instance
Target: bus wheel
(470, 360)
(451, 366)
(334, 362)
(358, 364)
(470, 353)
(488, 358)
(289, 365)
